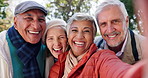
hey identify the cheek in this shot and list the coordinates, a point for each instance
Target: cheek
(123, 29)
(69, 39)
(90, 39)
(64, 43)
(102, 30)
(43, 27)
(49, 45)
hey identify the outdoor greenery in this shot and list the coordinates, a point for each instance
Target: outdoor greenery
(64, 9)
(3, 6)
(130, 10)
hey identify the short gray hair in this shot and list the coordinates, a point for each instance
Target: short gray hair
(82, 17)
(106, 3)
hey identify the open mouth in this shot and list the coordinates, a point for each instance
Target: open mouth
(112, 36)
(79, 43)
(58, 50)
(33, 32)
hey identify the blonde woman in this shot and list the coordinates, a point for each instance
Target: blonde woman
(55, 38)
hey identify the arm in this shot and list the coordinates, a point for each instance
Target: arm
(4, 68)
(111, 66)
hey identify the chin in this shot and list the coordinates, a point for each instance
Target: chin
(33, 42)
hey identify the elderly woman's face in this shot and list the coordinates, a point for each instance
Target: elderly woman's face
(56, 41)
(80, 36)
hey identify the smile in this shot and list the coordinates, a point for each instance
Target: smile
(33, 32)
(58, 50)
(79, 43)
(112, 36)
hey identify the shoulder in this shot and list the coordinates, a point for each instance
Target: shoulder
(139, 36)
(139, 39)
(5, 58)
(104, 52)
(3, 36)
(3, 41)
(97, 39)
(58, 67)
(62, 56)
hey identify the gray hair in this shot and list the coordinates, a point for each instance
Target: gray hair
(82, 17)
(106, 3)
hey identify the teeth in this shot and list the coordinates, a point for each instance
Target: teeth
(57, 49)
(79, 43)
(112, 36)
(32, 32)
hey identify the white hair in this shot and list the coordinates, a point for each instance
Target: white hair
(80, 17)
(106, 3)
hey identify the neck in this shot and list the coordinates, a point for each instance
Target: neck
(117, 48)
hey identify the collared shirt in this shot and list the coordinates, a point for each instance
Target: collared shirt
(119, 53)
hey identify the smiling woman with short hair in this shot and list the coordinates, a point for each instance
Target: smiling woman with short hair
(84, 59)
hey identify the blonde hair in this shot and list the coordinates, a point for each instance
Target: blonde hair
(54, 23)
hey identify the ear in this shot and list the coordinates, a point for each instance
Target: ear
(15, 22)
(127, 21)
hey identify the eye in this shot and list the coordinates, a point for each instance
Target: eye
(28, 18)
(62, 37)
(74, 30)
(116, 21)
(50, 39)
(102, 24)
(41, 20)
(86, 31)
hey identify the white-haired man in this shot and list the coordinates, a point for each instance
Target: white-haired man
(113, 22)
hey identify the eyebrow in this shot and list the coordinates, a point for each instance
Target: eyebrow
(28, 14)
(87, 27)
(84, 27)
(73, 27)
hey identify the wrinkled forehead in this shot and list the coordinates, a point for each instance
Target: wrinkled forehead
(107, 7)
(31, 13)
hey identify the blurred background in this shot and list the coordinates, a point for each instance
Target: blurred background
(63, 9)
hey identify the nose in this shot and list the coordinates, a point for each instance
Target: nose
(110, 28)
(80, 35)
(36, 24)
(56, 42)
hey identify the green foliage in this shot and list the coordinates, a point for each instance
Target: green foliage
(3, 6)
(2, 9)
(65, 8)
(130, 10)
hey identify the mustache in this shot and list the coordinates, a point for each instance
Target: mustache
(114, 32)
